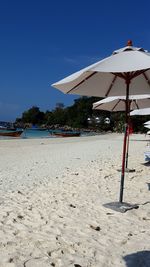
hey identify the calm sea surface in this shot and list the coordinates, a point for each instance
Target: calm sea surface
(29, 133)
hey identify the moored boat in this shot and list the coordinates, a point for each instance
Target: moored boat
(11, 133)
(66, 134)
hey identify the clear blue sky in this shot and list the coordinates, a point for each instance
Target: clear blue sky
(42, 41)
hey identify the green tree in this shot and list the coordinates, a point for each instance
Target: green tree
(33, 115)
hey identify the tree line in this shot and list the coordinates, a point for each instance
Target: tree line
(80, 115)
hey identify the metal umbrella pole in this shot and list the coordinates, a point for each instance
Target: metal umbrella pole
(125, 142)
(128, 138)
(127, 154)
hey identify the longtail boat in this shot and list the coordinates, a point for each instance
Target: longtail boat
(66, 134)
(11, 133)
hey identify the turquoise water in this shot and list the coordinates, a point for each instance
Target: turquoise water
(29, 133)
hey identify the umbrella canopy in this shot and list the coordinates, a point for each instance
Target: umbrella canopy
(107, 77)
(126, 71)
(144, 111)
(118, 103)
(147, 122)
(147, 126)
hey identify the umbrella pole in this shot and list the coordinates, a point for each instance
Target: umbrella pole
(128, 133)
(127, 150)
(125, 143)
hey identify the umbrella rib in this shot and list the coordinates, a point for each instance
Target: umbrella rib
(116, 104)
(136, 104)
(146, 78)
(88, 77)
(97, 106)
(117, 74)
(139, 72)
(111, 85)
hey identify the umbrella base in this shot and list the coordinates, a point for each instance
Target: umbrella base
(127, 170)
(121, 206)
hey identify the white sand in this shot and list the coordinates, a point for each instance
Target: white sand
(51, 196)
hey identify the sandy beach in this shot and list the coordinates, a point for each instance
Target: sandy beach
(52, 193)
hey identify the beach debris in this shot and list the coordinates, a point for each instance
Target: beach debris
(109, 213)
(49, 253)
(77, 265)
(107, 176)
(145, 219)
(130, 234)
(20, 216)
(19, 192)
(11, 260)
(96, 228)
(72, 206)
(76, 173)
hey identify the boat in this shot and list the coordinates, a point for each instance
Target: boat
(66, 134)
(11, 133)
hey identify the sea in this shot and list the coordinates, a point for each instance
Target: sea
(31, 133)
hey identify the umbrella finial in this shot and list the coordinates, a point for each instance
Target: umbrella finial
(129, 43)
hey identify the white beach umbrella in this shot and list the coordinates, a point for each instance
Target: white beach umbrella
(126, 71)
(118, 103)
(140, 112)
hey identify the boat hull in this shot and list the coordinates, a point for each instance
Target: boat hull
(12, 134)
(66, 134)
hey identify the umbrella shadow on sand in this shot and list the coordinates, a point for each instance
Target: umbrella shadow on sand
(138, 259)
